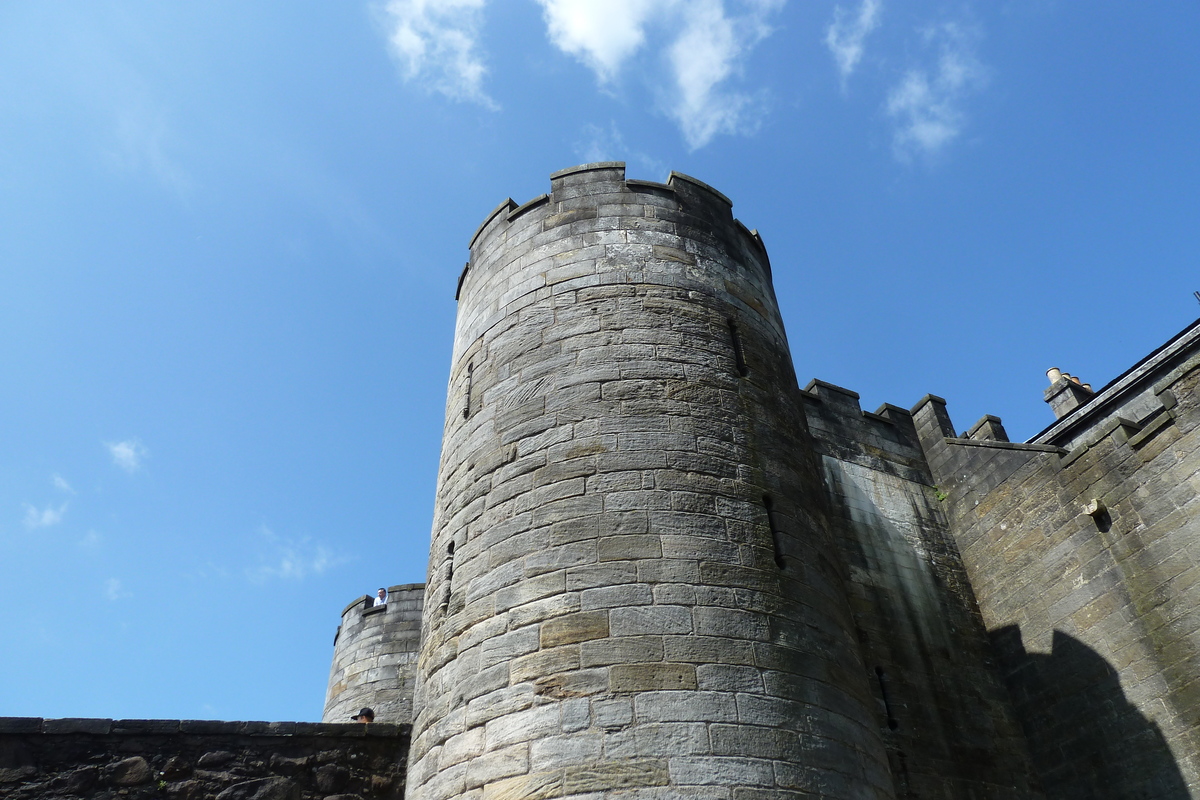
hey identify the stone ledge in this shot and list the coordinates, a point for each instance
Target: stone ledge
(196, 727)
(1029, 448)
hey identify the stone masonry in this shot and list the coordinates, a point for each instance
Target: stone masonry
(153, 759)
(634, 586)
(1083, 550)
(660, 570)
(375, 657)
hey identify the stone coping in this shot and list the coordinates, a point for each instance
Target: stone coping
(206, 727)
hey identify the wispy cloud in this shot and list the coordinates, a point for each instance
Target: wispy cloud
(705, 46)
(143, 139)
(61, 484)
(846, 34)
(44, 517)
(91, 540)
(291, 559)
(926, 105)
(708, 52)
(436, 43)
(128, 455)
(113, 590)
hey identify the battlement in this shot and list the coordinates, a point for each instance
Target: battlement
(884, 439)
(600, 193)
(401, 596)
(374, 653)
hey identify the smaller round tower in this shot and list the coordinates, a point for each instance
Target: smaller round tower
(374, 657)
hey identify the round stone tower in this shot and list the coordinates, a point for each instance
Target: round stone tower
(632, 589)
(375, 656)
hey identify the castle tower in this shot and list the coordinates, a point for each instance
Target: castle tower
(632, 586)
(375, 656)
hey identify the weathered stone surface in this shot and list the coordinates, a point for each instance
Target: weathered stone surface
(630, 420)
(375, 657)
(263, 765)
(262, 789)
(130, 772)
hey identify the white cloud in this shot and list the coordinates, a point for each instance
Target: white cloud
(707, 53)
(603, 34)
(61, 484)
(926, 104)
(91, 540)
(128, 455)
(291, 559)
(437, 45)
(705, 45)
(845, 35)
(113, 590)
(43, 518)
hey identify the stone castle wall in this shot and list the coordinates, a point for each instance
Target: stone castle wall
(943, 710)
(102, 759)
(1083, 548)
(633, 583)
(375, 657)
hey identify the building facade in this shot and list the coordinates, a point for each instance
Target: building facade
(661, 569)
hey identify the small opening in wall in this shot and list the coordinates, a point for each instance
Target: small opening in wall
(739, 352)
(467, 395)
(776, 535)
(892, 723)
(449, 585)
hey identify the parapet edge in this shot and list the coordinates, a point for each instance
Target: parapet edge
(509, 210)
(699, 184)
(590, 167)
(204, 727)
(507, 206)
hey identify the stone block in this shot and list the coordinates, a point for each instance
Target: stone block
(628, 594)
(625, 548)
(533, 723)
(685, 706)
(572, 628)
(651, 677)
(610, 776)
(637, 621)
(544, 662)
(604, 652)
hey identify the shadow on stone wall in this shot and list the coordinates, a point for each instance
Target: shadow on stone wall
(1087, 741)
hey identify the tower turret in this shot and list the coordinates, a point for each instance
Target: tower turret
(374, 657)
(632, 585)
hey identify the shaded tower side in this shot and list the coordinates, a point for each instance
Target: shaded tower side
(944, 712)
(375, 656)
(632, 586)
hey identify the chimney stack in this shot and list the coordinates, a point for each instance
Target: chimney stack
(1066, 392)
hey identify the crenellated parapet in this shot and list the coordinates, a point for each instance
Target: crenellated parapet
(374, 655)
(597, 228)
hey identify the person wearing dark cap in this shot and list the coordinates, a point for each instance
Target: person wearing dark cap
(366, 715)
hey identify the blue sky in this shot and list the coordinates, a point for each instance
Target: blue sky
(230, 235)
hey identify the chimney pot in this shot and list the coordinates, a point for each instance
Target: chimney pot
(1054, 373)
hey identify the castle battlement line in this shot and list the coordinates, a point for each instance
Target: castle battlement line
(662, 570)
(659, 568)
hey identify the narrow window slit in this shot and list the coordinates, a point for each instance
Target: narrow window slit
(776, 535)
(892, 723)
(467, 396)
(449, 576)
(739, 353)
